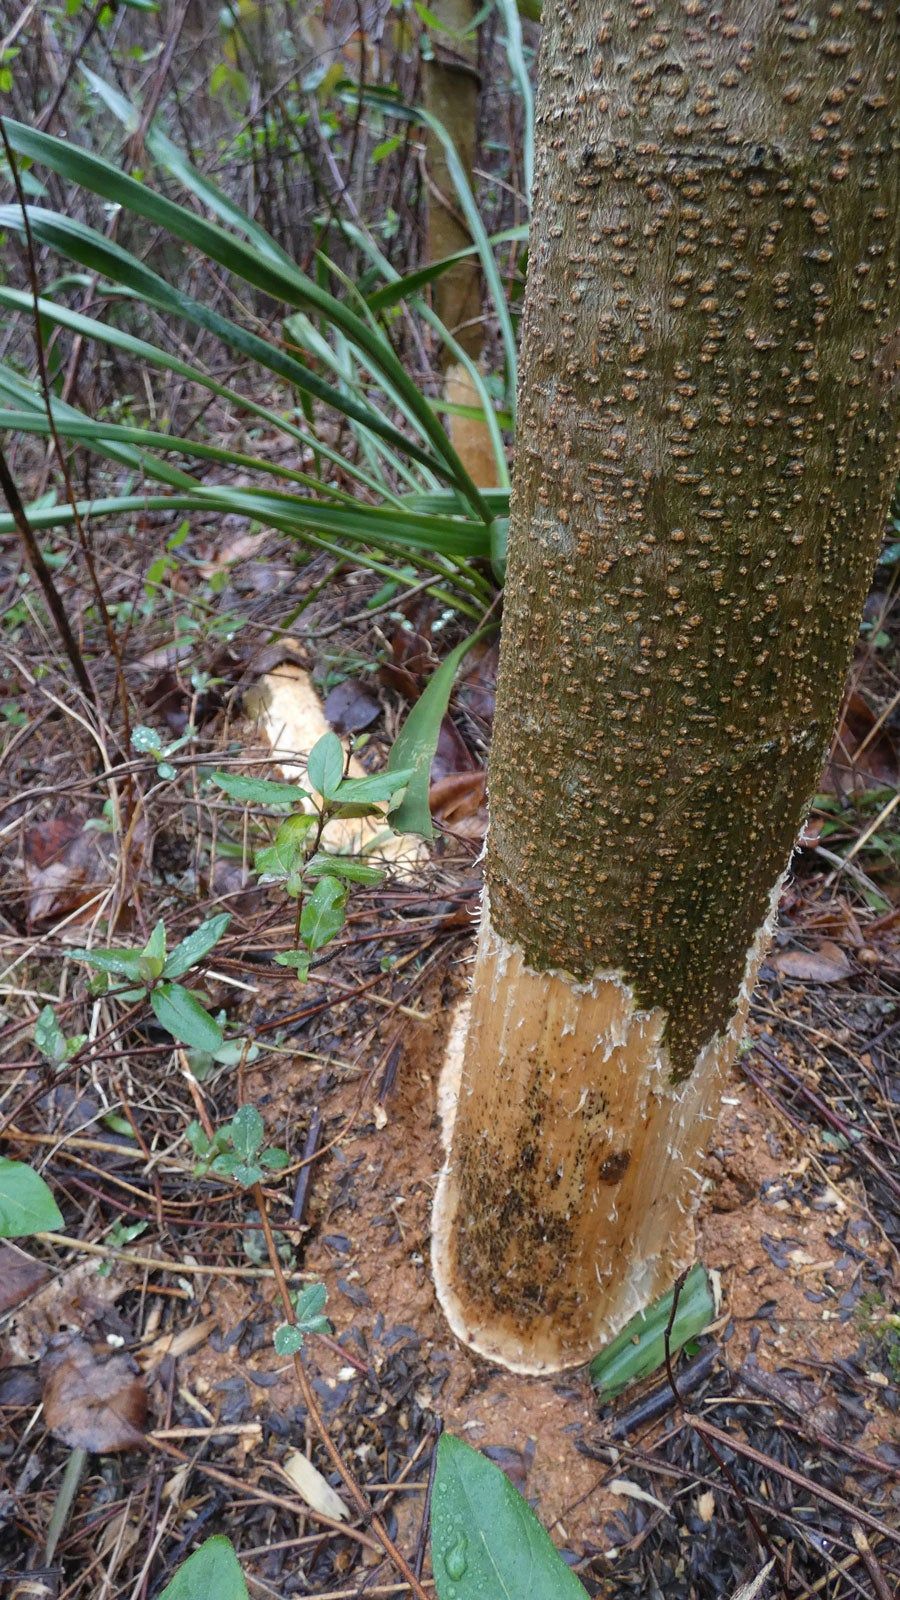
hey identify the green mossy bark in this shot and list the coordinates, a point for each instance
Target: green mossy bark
(451, 85)
(706, 449)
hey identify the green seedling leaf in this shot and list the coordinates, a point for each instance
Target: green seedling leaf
(147, 741)
(640, 1349)
(323, 914)
(484, 1538)
(153, 956)
(415, 745)
(325, 767)
(309, 1306)
(288, 1340)
(275, 1159)
(197, 945)
(259, 791)
(349, 867)
(120, 963)
(49, 1038)
(212, 1573)
(182, 1015)
(26, 1203)
(283, 859)
(246, 1173)
(299, 960)
(246, 1131)
(372, 791)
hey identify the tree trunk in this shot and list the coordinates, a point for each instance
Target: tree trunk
(707, 444)
(451, 95)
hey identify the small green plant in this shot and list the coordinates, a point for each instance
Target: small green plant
(236, 1150)
(319, 880)
(55, 1048)
(149, 973)
(309, 1306)
(150, 743)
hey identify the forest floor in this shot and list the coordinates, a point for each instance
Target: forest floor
(151, 1316)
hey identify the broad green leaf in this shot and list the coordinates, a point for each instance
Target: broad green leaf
(26, 1203)
(349, 867)
(375, 789)
(246, 1131)
(485, 1542)
(258, 791)
(121, 963)
(414, 747)
(182, 1015)
(212, 1573)
(325, 767)
(49, 1037)
(640, 1348)
(323, 913)
(197, 945)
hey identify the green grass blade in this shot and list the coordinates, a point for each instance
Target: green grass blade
(417, 740)
(515, 53)
(640, 1348)
(91, 249)
(150, 354)
(172, 159)
(393, 107)
(282, 282)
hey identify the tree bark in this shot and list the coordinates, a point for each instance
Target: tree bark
(707, 444)
(452, 87)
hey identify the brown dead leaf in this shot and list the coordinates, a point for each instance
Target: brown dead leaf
(92, 1403)
(352, 706)
(457, 803)
(452, 754)
(65, 865)
(858, 751)
(827, 963)
(312, 1487)
(20, 1275)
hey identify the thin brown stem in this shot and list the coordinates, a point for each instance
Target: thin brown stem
(44, 578)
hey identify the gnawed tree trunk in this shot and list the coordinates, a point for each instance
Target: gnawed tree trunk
(707, 444)
(451, 95)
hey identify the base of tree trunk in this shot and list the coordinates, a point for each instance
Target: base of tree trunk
(566, 1200)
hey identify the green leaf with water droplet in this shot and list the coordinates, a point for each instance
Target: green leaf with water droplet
(484, 1538)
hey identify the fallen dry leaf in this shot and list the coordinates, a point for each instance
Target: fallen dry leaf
(351, 706)
(457, 803)
(20, 1275)
(858, 749)
(313, 1488)
(90, 1402)
(65, 865)
(826, 964)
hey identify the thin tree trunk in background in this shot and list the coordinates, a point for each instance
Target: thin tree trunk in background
(706, 449)
(451, 95)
